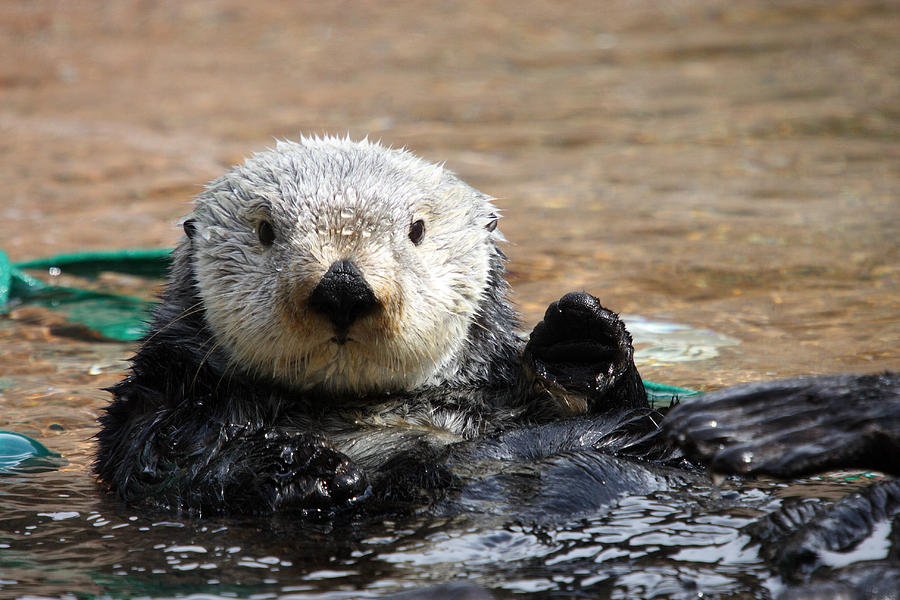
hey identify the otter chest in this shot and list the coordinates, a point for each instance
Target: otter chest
(373, 437)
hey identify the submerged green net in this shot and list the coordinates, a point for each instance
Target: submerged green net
(113, 316)
(661, 395)
(123, 317)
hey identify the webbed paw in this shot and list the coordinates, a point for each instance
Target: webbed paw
(582, 348)
(794, 427)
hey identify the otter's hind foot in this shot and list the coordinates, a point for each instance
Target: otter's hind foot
(582, 354)
(794, 427)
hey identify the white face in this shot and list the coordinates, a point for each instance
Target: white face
(329, 200)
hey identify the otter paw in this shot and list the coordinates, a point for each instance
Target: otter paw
(324, 479)
(297, 472)
(584, 348)
(316, 478)
(794, 427)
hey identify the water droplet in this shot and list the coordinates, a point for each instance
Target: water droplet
(347, 231)
(55, 271)
(747, 457)
(346, 213)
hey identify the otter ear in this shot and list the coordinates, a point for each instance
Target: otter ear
(190, 228)
(492, 223)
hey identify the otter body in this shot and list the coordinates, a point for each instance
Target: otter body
(336, 333)
(335, 311)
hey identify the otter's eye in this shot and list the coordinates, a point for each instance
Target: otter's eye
(266, 233)
(492, 224)
(417, 232)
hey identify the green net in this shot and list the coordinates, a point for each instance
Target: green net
(113, 316)
(121, 317)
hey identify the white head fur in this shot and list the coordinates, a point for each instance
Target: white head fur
(331, 199)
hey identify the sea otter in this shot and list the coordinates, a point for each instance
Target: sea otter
(336, 339)
(337, 310)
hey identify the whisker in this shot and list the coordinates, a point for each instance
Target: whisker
(187, 312)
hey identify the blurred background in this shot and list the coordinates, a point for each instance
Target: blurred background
(731, 166)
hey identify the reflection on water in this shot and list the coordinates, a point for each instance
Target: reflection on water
(727, 166)
(660, 342)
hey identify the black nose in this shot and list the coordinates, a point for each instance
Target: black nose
(343, 296)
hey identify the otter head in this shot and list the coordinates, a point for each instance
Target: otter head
(340, 266)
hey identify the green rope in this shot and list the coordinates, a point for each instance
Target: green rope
(152, 263)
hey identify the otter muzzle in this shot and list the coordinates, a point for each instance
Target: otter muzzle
(343, 296)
